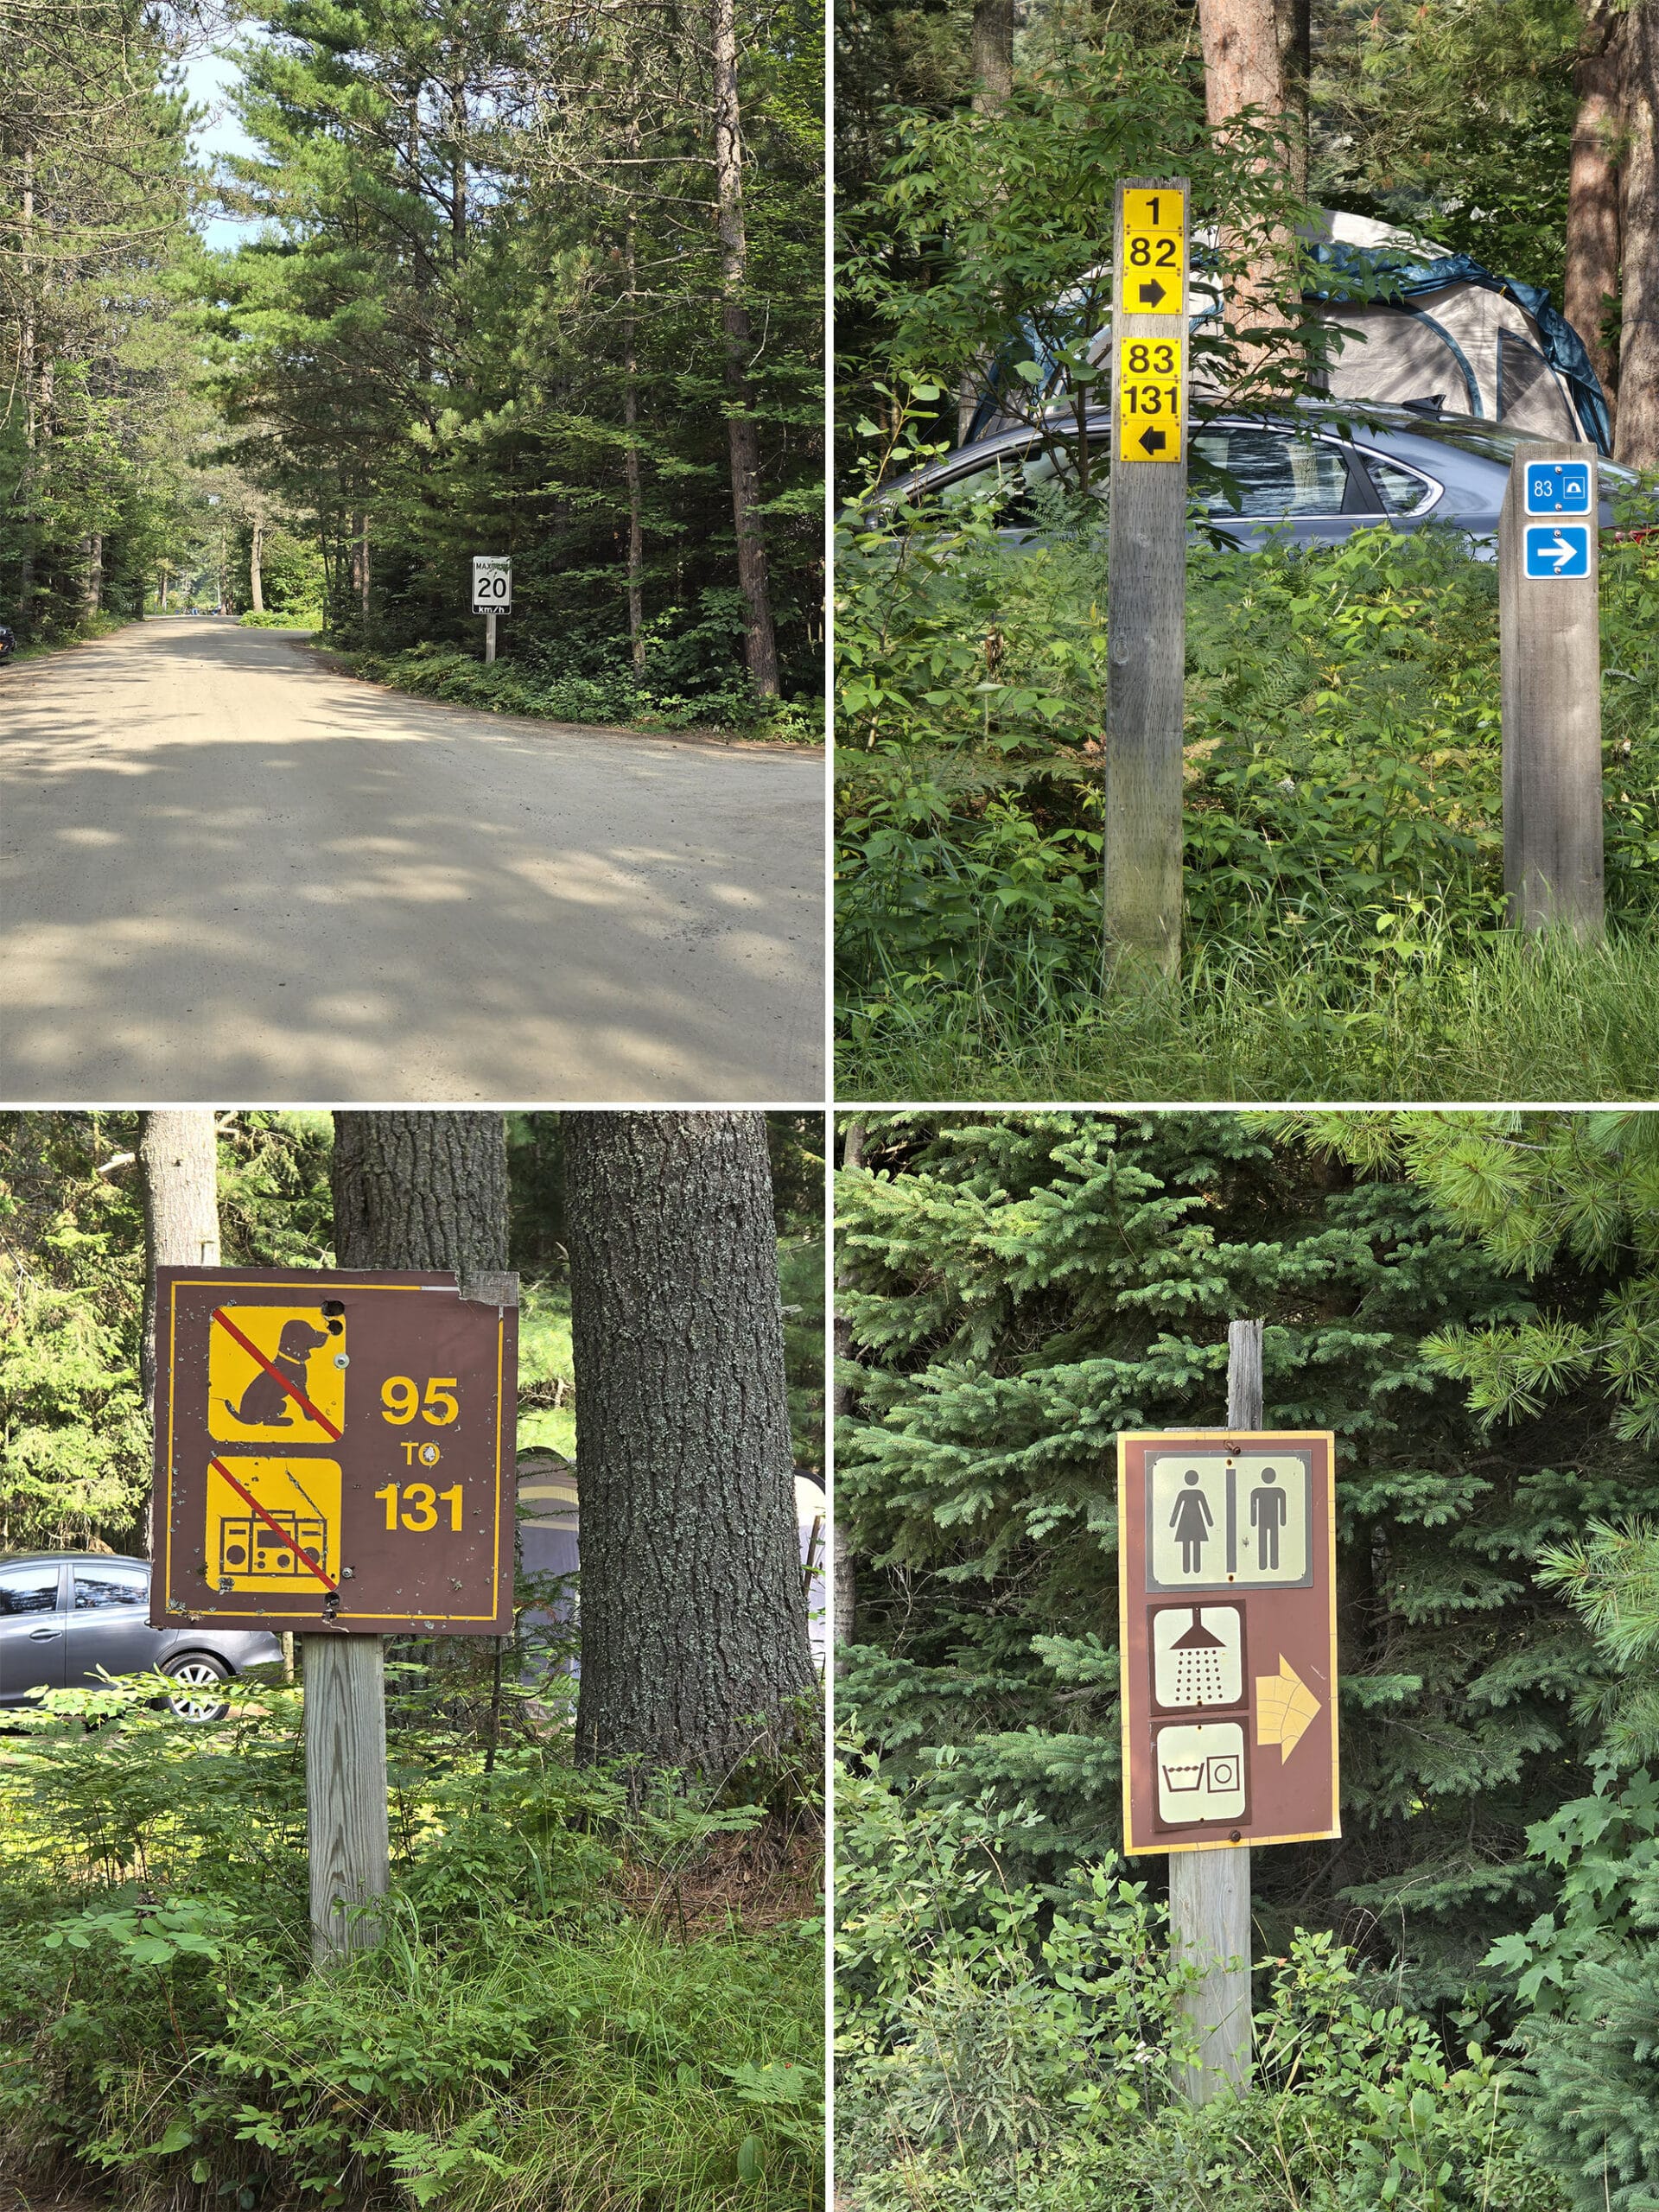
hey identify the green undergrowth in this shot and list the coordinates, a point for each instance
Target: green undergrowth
(307, 619)
(1508, 1020)
(569, 2008)
(1015, 2047)
(610, 699)
(1342, 818)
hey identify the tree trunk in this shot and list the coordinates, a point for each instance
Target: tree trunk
(163, 598)
(1636, 444)
(759, 640)
(92, 574)
(178, 1161)
(631, 464)
(991, 53)
(256, 579)
(26, 368)
(421, 1189)
(694, 1640)
(844, 1598)
(1293, 21)
(1590, 290)
(1242, 68)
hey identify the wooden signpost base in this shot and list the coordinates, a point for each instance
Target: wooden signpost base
(346, 1789)
(1210, 1891)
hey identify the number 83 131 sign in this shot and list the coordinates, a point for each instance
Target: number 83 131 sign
(335, 1451)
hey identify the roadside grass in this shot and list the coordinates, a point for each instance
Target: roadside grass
(1513, 1021)
(1342, 825)
(534, 685)
(581, 2000)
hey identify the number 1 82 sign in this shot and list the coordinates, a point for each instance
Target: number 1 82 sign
(334, 1451)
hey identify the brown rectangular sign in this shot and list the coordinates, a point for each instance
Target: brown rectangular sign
(1227, 1636)
(333, 1452)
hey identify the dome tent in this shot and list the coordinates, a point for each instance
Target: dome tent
(1410, 325)
(1428, 327)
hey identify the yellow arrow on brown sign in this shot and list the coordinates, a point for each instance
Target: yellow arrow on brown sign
(1285, 1709)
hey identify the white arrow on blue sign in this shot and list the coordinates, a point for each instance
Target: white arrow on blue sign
(1558, 487)
(1560, 549)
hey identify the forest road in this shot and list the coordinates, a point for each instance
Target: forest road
(229, 874)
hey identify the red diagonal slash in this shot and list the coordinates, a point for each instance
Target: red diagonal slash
(276, 1373)
(248, 1498)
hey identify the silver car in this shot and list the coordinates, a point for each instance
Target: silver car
(63, 1615)
(1311, 475)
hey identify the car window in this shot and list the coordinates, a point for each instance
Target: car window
(1401, 492)
(1016, 475)
(1273, 473)
(29, 1589)
(100, 1585)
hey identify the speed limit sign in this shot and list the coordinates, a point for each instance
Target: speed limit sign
(492, 584)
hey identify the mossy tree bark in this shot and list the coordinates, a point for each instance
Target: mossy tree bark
(693, 1643)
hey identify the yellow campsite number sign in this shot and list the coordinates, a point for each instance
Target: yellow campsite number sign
(1155, 252)
(1149, 396)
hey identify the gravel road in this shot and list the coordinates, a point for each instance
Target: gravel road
(228, 874)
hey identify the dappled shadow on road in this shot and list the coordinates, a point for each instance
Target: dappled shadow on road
(226, 873)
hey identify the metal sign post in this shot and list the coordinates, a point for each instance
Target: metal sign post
(1146, 589)
(492, 593)
(1550, 641)
(1227, 1636)
(335, 1455)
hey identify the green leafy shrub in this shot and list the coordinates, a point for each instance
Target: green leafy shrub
(296, 619)
(1343, 751)
(538, 2025)
(1010, 2044)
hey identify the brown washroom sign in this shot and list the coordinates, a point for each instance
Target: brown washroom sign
(1227, 1635)
(334, 1452)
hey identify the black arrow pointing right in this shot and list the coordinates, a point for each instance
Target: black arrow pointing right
(1151, 293)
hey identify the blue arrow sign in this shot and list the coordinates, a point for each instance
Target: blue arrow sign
(1558, 487)
(1558, 550)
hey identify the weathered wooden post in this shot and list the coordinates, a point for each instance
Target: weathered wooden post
(1227, 1632)
(344, 1789)
(1210, 1891)
(1550, 641)
(489, 635)
(1146, 590)
(333, 1461)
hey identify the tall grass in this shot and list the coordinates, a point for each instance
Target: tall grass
(1547, 1020)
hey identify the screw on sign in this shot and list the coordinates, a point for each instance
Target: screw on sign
(334, 1451)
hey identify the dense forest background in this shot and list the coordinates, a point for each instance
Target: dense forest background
(1522, 132)
(593, 1973)
(1466, 1300)
(74, 1433)
(520, 279)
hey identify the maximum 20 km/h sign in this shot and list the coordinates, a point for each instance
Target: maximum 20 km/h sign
(1227, 1631)
(334, 1451)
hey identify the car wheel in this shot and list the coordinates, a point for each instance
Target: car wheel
(197, 1676)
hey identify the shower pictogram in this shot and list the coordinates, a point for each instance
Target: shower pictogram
(1197, 1655)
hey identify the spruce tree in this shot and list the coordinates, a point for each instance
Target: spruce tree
(1018, 1288)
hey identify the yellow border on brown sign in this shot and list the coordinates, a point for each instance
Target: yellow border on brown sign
(221, 1613)
(1325, 1436)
